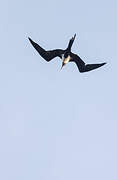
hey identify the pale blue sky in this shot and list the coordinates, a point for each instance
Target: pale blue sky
(58, 125)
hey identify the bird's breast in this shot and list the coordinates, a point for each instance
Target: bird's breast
(67, 59)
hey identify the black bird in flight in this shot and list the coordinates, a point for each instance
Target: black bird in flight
(66, 55)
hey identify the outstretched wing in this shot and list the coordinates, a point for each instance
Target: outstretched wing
(47, 55)
(84, 67)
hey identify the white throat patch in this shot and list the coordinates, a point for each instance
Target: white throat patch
(66, 60)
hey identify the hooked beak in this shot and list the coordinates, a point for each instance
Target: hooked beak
(62, 66)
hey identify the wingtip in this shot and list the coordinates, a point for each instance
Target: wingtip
(31, 41)
(29, 38)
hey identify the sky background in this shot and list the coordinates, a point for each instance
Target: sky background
(58, 125)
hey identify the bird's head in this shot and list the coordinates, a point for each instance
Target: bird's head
(66, 58)
(63, 64)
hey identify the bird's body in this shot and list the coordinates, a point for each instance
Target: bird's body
(66, 56)
(67, 59)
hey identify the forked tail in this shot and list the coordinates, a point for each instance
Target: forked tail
(71, 42)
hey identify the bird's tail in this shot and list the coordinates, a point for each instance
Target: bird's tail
(71, 42)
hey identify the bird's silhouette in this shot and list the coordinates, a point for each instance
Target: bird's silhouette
(66, 55)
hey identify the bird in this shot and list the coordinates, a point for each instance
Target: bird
(66, 56)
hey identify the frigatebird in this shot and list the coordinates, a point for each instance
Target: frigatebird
(66, 55)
